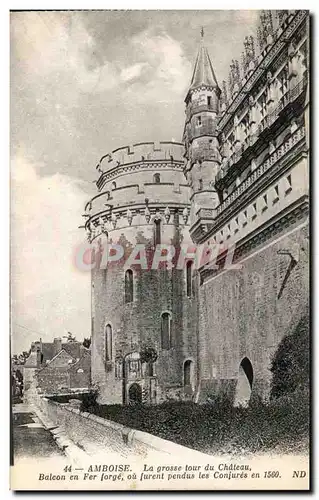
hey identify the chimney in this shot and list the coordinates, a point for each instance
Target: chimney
(57, 342)
(39, 357)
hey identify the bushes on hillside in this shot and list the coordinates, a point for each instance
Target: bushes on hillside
(213, 428)
(291, 364)
(89, 401)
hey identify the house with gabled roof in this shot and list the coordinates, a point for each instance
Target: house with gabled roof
(58, 367)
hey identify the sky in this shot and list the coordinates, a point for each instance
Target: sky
(83, 84)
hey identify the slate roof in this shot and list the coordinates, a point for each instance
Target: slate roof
(203, 71)
(72, 348)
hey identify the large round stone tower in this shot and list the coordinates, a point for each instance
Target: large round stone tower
(143, 309)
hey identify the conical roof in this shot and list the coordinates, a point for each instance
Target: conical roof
(203, 71)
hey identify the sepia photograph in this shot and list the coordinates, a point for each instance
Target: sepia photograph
(160, 294)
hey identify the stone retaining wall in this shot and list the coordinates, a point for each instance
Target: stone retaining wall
(96, 435)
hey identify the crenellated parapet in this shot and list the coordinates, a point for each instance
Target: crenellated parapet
(144, 152)
(137, 185)
(138, 217)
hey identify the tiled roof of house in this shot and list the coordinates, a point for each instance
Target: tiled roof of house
(72, 348)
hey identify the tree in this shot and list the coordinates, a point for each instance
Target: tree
(148, 354)
(87, 342)
(70, 337)
(291, 363)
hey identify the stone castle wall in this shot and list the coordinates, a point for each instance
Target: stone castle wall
(137, 201)
(246, 312)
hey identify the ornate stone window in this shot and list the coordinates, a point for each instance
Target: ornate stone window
(129, 286)
(262, 105)
(108, 343)
(166, 320)
(133, 364)
(231, 142)
(283, 82)
(245, 128)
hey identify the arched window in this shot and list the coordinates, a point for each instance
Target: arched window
(129, 286)
(188, 372)
(157, 178)
(189, 278)
(157, 232)
(113, 185)
(108, 343)
(166, 330)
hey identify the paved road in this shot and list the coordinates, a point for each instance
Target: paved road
(31, 441)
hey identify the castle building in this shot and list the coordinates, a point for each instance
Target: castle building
(142, 330)
(238, 183)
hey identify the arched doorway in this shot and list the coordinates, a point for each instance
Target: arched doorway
(244, 383)
(188, 377)
(188, 373)
(135, 394)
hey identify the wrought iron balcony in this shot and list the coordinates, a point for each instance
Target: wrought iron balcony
(273, 158)
(288, 98)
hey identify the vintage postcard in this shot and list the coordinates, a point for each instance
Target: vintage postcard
(160, 250)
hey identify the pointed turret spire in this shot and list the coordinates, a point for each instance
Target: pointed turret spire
(202, 156)
(203, 71)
